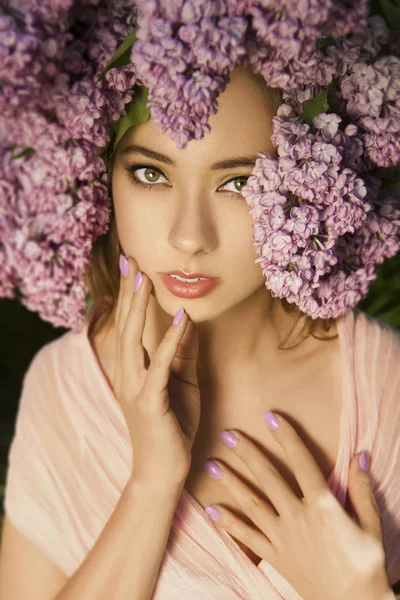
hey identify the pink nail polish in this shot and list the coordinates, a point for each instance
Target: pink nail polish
(138, 281)
(213, 512)
(229, 439)
(178, 316)
(363, 461)
(213, 469)
(123, 265)
(271, 419)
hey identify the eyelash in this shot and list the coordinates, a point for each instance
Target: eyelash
(131, 169)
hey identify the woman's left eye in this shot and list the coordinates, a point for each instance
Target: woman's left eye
(149, 171)
(151, 174)
(236, 179)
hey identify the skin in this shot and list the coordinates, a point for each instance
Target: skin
(191, 221)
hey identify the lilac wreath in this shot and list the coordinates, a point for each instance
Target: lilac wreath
(73, 78)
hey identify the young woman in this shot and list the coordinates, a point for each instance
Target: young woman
(119, 444)
(233, 437)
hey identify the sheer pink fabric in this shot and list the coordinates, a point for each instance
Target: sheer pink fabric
(71, 457)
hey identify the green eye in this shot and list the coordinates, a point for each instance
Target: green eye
(151, 175)
(242, 181)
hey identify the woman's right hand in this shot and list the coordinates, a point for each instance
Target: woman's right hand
(159, 398)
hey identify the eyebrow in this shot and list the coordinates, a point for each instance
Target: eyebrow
(240, 161)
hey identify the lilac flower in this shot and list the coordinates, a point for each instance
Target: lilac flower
(46, 237)
(328, 124)
(321, 218)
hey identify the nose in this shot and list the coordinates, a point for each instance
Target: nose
(193, 230)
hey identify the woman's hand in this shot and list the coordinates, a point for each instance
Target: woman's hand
(159, 396)
(311, 541)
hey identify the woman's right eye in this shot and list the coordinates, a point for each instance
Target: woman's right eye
(149, 178)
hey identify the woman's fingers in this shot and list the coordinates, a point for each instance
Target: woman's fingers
(151, 380)
(269, 479)
(126, 291)
(131, 354)
(156, 383)
(129, 269)
(305, 468)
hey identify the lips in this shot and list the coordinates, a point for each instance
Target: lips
(189, 275)
(181, 289)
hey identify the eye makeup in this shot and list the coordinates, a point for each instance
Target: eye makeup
(132, 168)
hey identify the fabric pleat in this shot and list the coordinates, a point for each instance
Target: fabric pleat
(71, 457)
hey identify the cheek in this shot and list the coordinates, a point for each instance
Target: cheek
(242, 253)
(133, 218)
(138, 232)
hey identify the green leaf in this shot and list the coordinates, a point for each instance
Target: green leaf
(25, 152)
(121, 56)
(89, 302)
(392, 13)
(137, 113)
(315, 106)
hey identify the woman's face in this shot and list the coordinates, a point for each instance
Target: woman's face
(183, 213)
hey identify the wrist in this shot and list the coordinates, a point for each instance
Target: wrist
(378, 589)
(387, 594)
(151, 489)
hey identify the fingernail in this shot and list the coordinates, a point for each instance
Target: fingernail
(123, 265)
(271, 419)
(213, 512)
(363, 461)
(178, 316)
(138, 281)
(229, 439)
(213, 469)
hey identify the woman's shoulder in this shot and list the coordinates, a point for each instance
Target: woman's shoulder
(52, 372)
(368, 325)
(374, 337)
(376, 356)
(64, 351)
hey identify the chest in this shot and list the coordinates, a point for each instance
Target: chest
(311, 400)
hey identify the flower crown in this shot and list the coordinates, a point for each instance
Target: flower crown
(73, 79)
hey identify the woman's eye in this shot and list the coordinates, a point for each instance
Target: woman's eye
(235, 181)
(150, 175)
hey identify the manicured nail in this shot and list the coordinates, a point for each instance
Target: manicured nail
(229, 439)
(138, 281)
(123, 265)
(178, 316)
(271, 419)
(213, 512)
(363, 461)
(213, 469)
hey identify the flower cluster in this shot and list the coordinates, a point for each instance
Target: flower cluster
(319, 227)
(324, 214)
(54, 122)
(185, 51)
(324, 210)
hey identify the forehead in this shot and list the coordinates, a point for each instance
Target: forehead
(241, 125)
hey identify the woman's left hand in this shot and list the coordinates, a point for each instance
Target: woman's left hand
(311, 541)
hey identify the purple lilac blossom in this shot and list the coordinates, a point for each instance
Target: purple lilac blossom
(322, 217)
(55, 202)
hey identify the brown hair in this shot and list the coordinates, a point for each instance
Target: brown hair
(102, 275)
